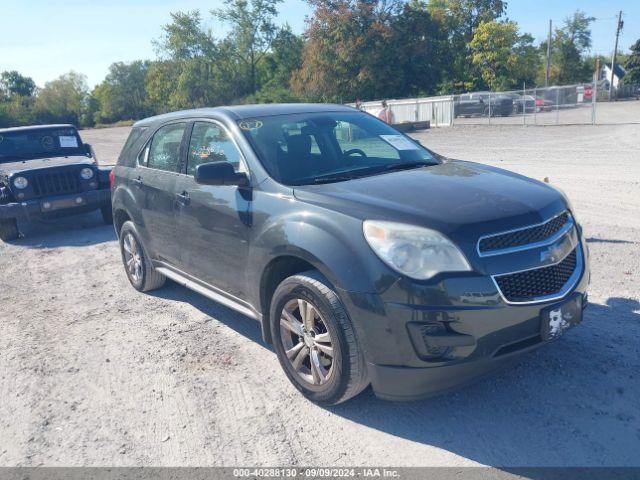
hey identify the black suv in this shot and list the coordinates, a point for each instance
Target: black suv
(482, 103)
(46, 171)
(367, 258)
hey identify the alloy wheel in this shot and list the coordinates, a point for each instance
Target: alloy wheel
(307, 342)
(132, 257)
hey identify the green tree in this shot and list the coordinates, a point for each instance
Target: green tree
(194, 69)
(568, 48)
(419, 62)
(368, 49)
(252, 32)
(284, 58)
(344, 39)
(64, 100)
(504, 58)
(460, 19)
(12, 84)
(122, 94)
(16, 99)
(632, 65)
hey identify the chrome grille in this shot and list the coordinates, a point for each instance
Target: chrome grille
(540, 282)
(525, 236)
(56, 182)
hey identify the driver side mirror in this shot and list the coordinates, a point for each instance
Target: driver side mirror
(88, 149)
(220, 173)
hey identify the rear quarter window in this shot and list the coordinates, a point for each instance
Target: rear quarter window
(128, 153)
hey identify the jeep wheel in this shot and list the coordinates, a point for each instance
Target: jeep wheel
(9, 229)
(137, 265)
(315, 341)
(107, 214)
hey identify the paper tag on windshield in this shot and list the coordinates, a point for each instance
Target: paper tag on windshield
(68, 141)
(399, 142)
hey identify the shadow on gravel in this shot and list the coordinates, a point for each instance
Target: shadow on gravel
(570, 403)
(606, 240)
(242, 324)
(74, 231)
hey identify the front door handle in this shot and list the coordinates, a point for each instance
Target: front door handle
(183, 198)
(138, 181)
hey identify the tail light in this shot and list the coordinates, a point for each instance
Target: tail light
(112, 177)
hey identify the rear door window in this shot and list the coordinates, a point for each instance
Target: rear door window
(132, 139)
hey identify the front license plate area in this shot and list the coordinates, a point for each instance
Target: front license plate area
(560, 317)
(61, 204)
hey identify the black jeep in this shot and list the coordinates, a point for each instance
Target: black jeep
(45, 172)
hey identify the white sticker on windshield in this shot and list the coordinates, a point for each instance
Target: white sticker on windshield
(399, 142)
(68, 141)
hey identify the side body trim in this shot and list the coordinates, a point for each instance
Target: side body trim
(210, 292)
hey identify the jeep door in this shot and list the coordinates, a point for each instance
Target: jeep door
(156, 182)
(214, 221)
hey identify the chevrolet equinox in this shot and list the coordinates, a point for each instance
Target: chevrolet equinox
(367, 258)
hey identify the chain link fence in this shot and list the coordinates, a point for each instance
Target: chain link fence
(436, 110)
(557, 105)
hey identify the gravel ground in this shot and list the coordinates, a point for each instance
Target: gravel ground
(94, 373)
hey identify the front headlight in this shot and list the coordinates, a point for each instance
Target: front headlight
(86, 173)
(416, 252)
(20, 182)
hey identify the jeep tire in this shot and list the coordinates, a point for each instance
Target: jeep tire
(9, 229)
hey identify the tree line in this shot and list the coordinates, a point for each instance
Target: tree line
(350, 49)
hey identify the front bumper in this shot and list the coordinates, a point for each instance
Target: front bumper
(60, 205)
(462, 338)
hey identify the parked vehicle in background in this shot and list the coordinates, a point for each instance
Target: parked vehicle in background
(483, 104)
(366, 258)
(46, 171)
(523, 102)
(544, 105)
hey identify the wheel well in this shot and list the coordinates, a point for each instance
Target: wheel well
(277, 270)
(119, 217)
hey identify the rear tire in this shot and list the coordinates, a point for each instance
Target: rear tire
(140, 272)
(9, 230)
(107, 214)
(331, 370)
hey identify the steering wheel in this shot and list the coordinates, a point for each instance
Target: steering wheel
(348, 153)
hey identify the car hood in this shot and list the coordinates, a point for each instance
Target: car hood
(461, 199)
(39, 163)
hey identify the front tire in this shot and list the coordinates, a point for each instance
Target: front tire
(315, 340)
(9, 230)
(140, 272)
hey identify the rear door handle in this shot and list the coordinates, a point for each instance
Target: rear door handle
(138, 181)
(183, 198)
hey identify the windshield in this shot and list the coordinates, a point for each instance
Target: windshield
(40, 143)
(307, 148)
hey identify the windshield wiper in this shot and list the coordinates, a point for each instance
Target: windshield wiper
(333, 178)
(408, 165)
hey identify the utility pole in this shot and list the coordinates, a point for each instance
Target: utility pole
(546, 78)
(613, 57)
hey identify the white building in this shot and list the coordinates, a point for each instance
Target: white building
(618, 74)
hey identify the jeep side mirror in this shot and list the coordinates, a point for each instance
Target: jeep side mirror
(88, 150)
(220, 173)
